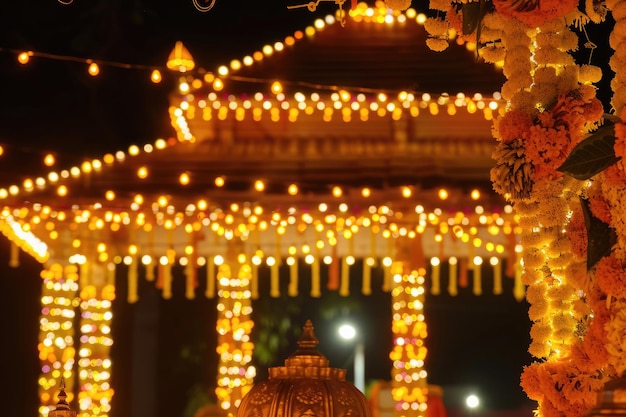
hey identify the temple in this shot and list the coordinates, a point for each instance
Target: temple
(337, 145)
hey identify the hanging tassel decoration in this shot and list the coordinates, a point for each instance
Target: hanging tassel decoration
(453, 276)
(133, 281)
(151, 266)
(497, 275)
(210, 277)
(333, 271)
(344, 289)
(463, 281)
(111, 273)
(518, 286)
(435, 287)
(477, 287)
(293, 277)
(254, 282)
(366, 287)
(167, 281)
(14, 256)
(274, 280)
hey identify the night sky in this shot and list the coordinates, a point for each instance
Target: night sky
(54, 105)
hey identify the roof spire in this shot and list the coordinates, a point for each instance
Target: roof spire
(62, 409)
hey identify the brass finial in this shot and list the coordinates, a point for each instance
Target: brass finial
(62, 409)
(307, 344)
(62, 404)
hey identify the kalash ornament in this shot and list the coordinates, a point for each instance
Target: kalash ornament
(611, 401)
(305, 387)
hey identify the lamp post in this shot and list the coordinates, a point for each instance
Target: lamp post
(348, 332)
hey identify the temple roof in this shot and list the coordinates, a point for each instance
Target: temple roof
(372, 55)
(363, 113)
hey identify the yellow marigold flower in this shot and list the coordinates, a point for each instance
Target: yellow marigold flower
(523, 100)
(561, 292)
(494, 21)
(436, 27)
(536, 292)
(443, 5)
(539, 350)
(560, 261)
(537, 311)
(531, 276)
(540, 332)
(533, 258)
(437, 45)
(492, 54)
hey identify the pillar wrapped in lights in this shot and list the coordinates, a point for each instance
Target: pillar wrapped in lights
(408, 377)
(57, 334)
(94, 363)
(234, 325)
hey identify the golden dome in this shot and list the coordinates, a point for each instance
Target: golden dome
(305, 387)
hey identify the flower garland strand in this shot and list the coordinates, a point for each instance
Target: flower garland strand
(551, 108)
(610, 273)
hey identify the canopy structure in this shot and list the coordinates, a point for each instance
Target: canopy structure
(338, 144)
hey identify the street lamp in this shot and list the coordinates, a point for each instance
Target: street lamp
(472, 402)
(348, 332)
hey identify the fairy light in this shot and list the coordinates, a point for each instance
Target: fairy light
(57, 333)
(408, 376)
(94, 362)
(234, 325)
(93, 69)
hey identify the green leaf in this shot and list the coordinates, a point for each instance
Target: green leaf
(472, 16)
(593, 155)
(600, 236)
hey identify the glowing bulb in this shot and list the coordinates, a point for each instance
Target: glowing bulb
(337, 191)
(184, 178)
(277, 87)
(259, 185)
(220, 181)
(142, 172)
(293, 189)
(443, 194)
(93, 69)
(49, 160)
(24, 57)
(155, 77)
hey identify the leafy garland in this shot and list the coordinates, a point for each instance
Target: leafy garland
(559, 160)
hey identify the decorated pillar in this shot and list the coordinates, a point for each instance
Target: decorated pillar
(234, 325)
(97, 293)
(57, 333)
(408, 376)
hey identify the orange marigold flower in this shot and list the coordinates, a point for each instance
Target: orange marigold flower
(529, 381)
(600, 208)
(614, 176)
(512, 125)
(611, 277)
(577, 233)
(594, 343)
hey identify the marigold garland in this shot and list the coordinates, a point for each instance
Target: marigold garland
(579, 314)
